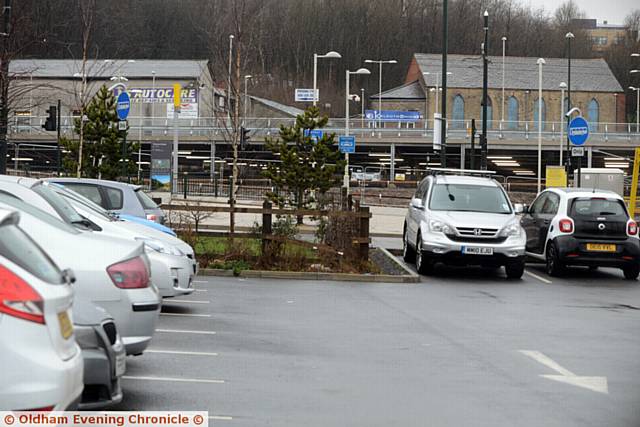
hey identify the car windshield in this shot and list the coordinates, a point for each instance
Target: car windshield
(17, 247)
(592, 207)
(37, 213)
(469, 198)
(146, 201)
(59, 204)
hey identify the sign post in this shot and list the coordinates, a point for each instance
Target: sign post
(177, 92)
(123, 107)
(578, 133)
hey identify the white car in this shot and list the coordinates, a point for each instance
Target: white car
(42, 366)
(111, 272)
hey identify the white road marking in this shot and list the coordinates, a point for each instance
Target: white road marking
(185, 301)
(185, 315)
(177, 380)
(201, 290)
(597, 384)
(182, 331)
(200, 281)
(188, 353)
(542, 279)
(220, 417)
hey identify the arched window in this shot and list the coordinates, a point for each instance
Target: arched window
(489, 113)
(512, 113)
(593, 115)
(535, 113)
(458, 112)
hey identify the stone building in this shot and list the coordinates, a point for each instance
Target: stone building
(594, 90)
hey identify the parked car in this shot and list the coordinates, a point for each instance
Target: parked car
(574, 226)
(463, 220)
(148, 223)
(118, 197)
(111, 272)
(103, 353)
(41, 362)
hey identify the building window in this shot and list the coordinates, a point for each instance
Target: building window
(512, 113)
(457, 118)
(489, 113)
(600, 40)
(593, 115)
(535, 112)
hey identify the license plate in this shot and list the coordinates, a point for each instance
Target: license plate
(121, 364)
(477, 250)
(600, 247)
(66, 328)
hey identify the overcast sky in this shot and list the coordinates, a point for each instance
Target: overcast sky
(613, 11)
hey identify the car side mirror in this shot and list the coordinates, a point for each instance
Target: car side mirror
(417, 203)
(68, 276)
(519, 208)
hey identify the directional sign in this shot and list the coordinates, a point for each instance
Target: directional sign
(306, 95)
(347, 144)
(315, 134)
(578, 131)
(392, 115)
(123, 106)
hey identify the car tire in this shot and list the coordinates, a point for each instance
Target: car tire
(554, 265)
(631, 272)
(424, 264)
(514, 270)
(408, 253)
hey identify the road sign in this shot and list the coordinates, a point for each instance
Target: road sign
(392, 115)
(556, 177)
(315, 134)
(578, 131)
(577, 151)
(122, 125)
(123, 106)
(306, 95)
(347, 144)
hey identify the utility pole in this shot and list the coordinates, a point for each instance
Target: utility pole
(568, 36)
(445, 47)
(485, 84)
(4, 86)
(58, 166)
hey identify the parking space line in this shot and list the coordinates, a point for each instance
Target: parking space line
(183, 331)
(220, 417)
(185, 301)
(177, 380)
(202, 290)
(185, 315)
(535, 276)
(187, 353)
(200, 281)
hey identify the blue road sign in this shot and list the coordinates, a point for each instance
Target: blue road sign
(123, 106)
(578, 131)
(316, 134)
(393, 115)
(347, 144)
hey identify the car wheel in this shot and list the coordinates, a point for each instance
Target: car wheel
(424, 264)
(631, 272)
(514, 270)
(408, 253)
(555, 267)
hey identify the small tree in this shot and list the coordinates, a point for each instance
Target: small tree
(307, 166)
(102, 151)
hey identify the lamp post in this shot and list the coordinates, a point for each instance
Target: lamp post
(504, 50)
(568, 37)
(244, 113)
(380, 62)
(540, 63)
(437, 88)
(637, 90)
(445, 49)
(563, 86)
(362, 108)
(485, 84)
(229, 79)
(331, 54)
(346, 119)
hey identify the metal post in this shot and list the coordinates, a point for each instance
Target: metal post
(124, 155)
(568, 36)
(362, 109)
(58, 166)
(392, 165)
(504, 50)
(174, 165)
(229, 80)
(485, 84)
(561, 122)
(472, 160)
(540, 63)
(346, 130)
(445, 47)
(315, 77)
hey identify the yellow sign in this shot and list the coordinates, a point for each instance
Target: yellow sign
(634, 184)
(556, 176)
(177, 95)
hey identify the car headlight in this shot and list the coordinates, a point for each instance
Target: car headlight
(440, 227)
(511, 229)
(158, 246)
(86, 337)
(176, 251)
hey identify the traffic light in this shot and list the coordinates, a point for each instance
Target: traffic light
(51, 123)
(244, 137)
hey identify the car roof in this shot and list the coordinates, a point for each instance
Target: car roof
(462, 179)
(22, 180)
(97, 181)
(573, 192)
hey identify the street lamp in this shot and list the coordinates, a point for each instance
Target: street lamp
(637, 90)
(437, 73)
(380, 62)
(229, 77)
(331, 54)
(563, 87)
(540, 63)
(504, 50)
(348, 73)
(153, 91)
(485, 90)
(244, 114)
(568, 37)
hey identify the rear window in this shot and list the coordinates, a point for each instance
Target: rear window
(598, 207)
(17, 247)
(91, 192)
(145, 200)
(115, 197)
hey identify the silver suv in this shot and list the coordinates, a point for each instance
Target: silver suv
(463, 219)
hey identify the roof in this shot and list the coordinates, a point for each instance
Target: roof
(107, 68)
(411, 90)
(587, 75)
(287, 109)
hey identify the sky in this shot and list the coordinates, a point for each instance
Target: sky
(613, 11)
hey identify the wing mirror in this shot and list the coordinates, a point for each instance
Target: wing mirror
(68, 276)
(417, 203)
(519, 208)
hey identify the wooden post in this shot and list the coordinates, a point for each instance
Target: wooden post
(266, 225)
(364, 234)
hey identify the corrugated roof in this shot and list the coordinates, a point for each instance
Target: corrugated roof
(411, 90)
(287, 109)
(587, 75)
(106, 68)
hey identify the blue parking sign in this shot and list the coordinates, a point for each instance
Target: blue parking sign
(347, 144)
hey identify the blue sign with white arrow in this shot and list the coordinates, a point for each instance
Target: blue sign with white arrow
(578, 131)
(347, 144)
(315, 134)
(123, 106)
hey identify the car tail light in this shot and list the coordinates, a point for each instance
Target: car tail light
(566, 225)
(632, 228)
(152, 217)
(18, 299)
(43, 409)
(129, 274)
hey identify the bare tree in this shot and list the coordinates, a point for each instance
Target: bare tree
(87, 10)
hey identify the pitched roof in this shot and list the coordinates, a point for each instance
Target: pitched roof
(105, 68)
(411, 90)
(287, 109)
(587, 75)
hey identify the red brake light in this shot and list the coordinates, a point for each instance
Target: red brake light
(632, 228)
(129, 274)
(18, 299)
(152, 217)
(566, 225)
(45, 409)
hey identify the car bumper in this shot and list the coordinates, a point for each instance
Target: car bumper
(172, 275)
(442, 249)
(573, 251)
(101, 385)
